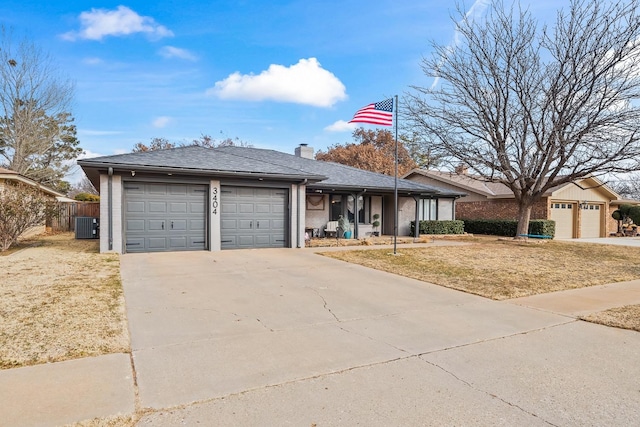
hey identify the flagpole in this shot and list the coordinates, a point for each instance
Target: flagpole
(395, 186)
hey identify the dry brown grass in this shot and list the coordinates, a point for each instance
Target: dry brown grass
(627, 317)
(503, 269)
(60, 300)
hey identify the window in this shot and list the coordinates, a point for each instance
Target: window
(428, 209)
(569, 206)
(345, 206)
(336, 207)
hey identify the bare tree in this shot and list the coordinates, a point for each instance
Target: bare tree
(37, 134)
(205, 141)
(208, 142)
(628, 187)
(155, 144)
(532, 106)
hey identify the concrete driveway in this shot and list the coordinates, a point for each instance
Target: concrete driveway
(288, 337)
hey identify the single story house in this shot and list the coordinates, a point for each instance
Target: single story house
(195, 198)
(7, 175)
(580, 209)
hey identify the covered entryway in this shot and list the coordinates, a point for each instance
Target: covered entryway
(562, 214)
(590, 220)
(253, 217)
(164, 217)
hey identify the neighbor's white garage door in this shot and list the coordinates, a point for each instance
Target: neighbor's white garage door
(590, 222)
(562, 214)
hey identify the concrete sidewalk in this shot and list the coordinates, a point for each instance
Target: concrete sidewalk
(65, 392)
(584, 301)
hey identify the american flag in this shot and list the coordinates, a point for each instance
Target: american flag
(379, 113)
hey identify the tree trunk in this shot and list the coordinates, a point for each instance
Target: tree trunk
(524, 214)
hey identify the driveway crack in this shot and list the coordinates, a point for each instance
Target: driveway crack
(326, 306)
(479, 390)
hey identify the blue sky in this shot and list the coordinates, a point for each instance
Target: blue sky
(272, 73)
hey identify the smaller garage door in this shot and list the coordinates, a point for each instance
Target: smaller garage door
(562, 214)
(590, 220)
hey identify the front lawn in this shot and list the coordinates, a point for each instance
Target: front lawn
(503, 269)
(60, 299)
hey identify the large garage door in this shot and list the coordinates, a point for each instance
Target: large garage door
(253, 217)
(590, 221)
(562, 214)
(165, 217)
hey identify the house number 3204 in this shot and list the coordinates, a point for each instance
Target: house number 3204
(214, 200)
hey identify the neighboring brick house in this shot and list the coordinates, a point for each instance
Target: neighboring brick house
(7, 175)
(581, 209)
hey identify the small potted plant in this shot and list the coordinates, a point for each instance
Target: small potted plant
(345, 227)
(376, 224)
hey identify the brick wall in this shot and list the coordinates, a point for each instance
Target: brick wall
(498, 209)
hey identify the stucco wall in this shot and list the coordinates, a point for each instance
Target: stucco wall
(470, 197)
(318, 215)
(406, 214)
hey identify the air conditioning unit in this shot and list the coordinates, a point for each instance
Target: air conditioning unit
(87, 227)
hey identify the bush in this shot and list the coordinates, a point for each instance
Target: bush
(634, 214)
(21, 207)
(505, 227)
(438, 227)
(87, 197)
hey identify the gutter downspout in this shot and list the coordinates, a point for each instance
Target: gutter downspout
(304, 182)
(110, 201)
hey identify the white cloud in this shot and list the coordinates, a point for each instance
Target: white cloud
(341, 126)
(89, 154)
(303, 83)
(175, 52)
(92, 61)
(99, 23)
(161, 122)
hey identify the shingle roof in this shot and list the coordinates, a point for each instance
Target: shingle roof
(194, 159)
(491, 189)
(254, 162)
(338, 176)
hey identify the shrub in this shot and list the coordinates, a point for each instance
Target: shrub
(87, 197)
(506, 227)
(634, 214)
(438, 227)
(21, 207)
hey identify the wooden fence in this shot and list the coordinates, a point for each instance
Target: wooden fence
(64, 218)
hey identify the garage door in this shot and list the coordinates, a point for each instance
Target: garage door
(253, 217)
(165, 217)
(562, 214)
(590, 221)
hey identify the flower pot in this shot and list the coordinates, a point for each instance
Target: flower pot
(347, 234)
